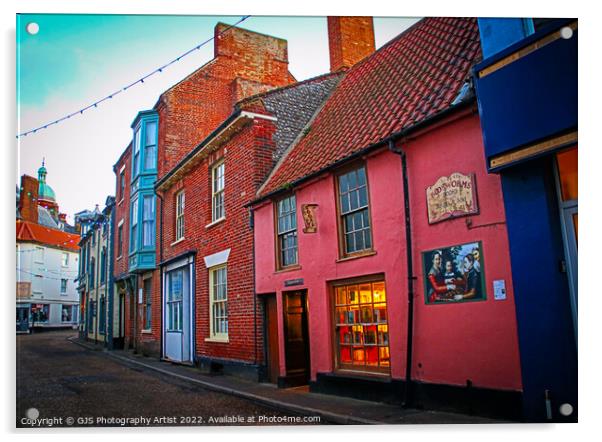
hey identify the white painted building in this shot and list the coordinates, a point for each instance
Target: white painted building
(46, 286)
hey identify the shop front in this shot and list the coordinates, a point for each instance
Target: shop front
(527, 95)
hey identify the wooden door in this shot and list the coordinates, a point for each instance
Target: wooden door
(296, 338)
(271, 328)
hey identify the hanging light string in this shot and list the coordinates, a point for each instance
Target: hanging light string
(138, 81)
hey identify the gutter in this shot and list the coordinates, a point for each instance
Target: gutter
(226, 124)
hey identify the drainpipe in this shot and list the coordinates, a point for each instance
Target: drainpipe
(161, 278)
(252, 226)
(407, 400)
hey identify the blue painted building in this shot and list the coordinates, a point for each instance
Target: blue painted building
(527, 95)
(142, 197)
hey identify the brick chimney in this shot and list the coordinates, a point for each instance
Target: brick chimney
(28, 199)
(350, 39)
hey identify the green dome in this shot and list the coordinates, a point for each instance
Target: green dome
(45, 192)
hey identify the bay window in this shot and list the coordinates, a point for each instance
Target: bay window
(150, 145)
(361, 326)
(134, 226)
(148, 221)
(136, 156)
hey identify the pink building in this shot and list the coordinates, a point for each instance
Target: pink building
(381, 250)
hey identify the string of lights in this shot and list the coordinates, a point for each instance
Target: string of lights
(132, 84)
(43, 276)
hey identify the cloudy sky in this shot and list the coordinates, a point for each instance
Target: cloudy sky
(74, 60)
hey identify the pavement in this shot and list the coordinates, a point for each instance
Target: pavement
(329, 408)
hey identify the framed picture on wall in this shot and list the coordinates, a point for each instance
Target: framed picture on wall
(454, 274)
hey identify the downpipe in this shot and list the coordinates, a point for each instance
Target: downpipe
(408, 393)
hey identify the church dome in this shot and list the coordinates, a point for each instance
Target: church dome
(45, 192)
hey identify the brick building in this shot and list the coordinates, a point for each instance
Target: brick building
(244, 63)
(208, 231)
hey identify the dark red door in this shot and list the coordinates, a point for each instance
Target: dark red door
(296, 338)
(273, 352)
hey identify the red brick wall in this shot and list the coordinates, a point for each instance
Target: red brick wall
(350, 39)
(247, 158)
(28, 198)
(120, 266)
(245, 63)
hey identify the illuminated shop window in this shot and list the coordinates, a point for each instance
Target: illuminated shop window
(361, 327)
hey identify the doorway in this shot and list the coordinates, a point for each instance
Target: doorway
(296, 338)
(177, 318)
(271, 338)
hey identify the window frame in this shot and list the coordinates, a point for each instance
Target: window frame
(65, 262)
(146, 146)
(219, 193)
(64, 292)
(278, 236)
(343, 253)
(213, 335)
(180, 208)
(120, 239)
(136, 151)
(147, 302)
(151, 221)
(134, 210)
(365, 369)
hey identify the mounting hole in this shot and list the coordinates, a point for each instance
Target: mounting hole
(566, 32)
(566, 409)
(32, 413)
(32, 28)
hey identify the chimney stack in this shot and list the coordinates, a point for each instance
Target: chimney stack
(350, 39)
(28, 199)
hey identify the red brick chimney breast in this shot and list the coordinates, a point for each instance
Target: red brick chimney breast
(350, 39)
(28, 198)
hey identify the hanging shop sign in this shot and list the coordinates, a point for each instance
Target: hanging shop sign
(451, 196)
(309, 218)
(23, 290)
(454, 274)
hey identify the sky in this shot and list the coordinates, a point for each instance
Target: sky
(74, 60)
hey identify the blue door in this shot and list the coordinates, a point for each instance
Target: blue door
(178, 315)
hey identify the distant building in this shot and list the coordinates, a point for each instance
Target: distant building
(94, 278)
(47, 259)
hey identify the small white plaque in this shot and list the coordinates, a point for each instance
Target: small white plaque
(499, 289)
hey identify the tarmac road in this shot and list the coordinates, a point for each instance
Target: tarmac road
(69, 385)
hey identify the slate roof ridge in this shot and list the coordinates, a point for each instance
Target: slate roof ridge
(301, 133)
(288, 86)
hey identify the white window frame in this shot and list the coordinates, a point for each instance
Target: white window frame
(217, 335)
(180, 207)
(218, 184)
(65, 259)
(64, 292)
(36, 254)
(145, 302)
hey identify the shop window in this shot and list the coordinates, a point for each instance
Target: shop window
(567, 171)
(287, 231)
(217, 174)
(354, 214)
(361, 327)
(41, 313)
(218, 295)
(68, 313)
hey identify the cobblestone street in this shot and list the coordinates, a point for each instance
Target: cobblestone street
(63, 380)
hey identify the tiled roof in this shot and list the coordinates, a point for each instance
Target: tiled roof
(28, 231)
(45, 218)
(413, 77)
(294, 106)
